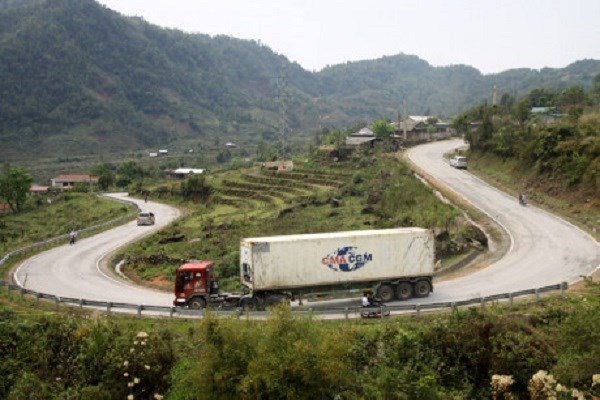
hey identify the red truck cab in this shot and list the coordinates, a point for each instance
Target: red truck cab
(195, 283)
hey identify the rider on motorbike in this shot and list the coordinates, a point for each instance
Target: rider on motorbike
(522, 199)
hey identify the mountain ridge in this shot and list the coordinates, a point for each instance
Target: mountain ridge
(79, 78)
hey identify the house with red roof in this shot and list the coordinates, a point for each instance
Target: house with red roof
(66, 182)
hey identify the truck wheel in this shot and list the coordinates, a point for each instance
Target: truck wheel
(197, 303)
(249, 304)
(404, 291)
(422, 289)
(385, 293)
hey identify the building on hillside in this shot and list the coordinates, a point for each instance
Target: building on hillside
(417, 129)
(5, 208)
(163, 152)
(66, 182)
(181, 173)
(230, 145)
(363, 138)
(546, 114)
(37, 189)
(284, 165)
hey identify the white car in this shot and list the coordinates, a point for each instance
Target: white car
(459, 162)
(145, 218)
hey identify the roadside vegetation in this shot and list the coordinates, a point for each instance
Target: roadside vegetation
(544, 350)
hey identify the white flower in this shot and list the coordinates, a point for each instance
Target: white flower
(130, 397)
(136, 380)
(147, 367)
(126, 374)
(158, 396)
(142, 335)
(126, 363)
(595, 379)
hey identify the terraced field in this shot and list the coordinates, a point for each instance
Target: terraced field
(264, 193)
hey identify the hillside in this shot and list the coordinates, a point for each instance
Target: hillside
(80, 79)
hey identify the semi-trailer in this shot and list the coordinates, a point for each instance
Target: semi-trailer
(393, 263)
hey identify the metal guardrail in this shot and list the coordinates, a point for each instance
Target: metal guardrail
(151, 310)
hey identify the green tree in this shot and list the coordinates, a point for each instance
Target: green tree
(105, 174)
(14, 185)
(382, 128)
(522, 112)
(595, 90)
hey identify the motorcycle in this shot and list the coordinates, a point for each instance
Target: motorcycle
(376, 310)
(522, 200)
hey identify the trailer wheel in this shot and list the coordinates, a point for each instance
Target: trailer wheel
(404, 291)
(197, 303)
(385, 293)
(248, 304)
(422, 289)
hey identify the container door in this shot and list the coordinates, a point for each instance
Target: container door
(246, 267)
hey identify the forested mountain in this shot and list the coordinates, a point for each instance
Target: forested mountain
(78, 78)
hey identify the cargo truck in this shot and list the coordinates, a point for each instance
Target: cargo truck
(393, 263)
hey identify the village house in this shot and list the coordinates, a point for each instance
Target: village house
(66, 182)
(364, 137)
(181, 173)
(37, 189)
(417, 129)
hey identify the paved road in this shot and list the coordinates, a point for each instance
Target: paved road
(545, 250)
(74, 270)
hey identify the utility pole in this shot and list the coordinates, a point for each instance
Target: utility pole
(282, 83)
(406, 117)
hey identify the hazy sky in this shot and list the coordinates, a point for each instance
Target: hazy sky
(491, 36)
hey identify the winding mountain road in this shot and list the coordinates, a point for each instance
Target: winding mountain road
(544, 249)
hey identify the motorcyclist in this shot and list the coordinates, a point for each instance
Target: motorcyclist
(522, 198)
(72, 237)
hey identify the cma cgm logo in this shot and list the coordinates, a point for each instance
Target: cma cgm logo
(346, 259)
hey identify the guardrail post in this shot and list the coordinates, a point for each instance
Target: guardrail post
(511, 299)
(22, 292)
(80, 303)
(346, 312)
(537, 295)
(453, 306)
(171, 311)
(482, 302)
(418, 310)
(37, 297)
(57, 299)
(563, 287)
(108, 307)
(139, 311)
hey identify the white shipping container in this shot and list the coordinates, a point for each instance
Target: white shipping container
(297, 261)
